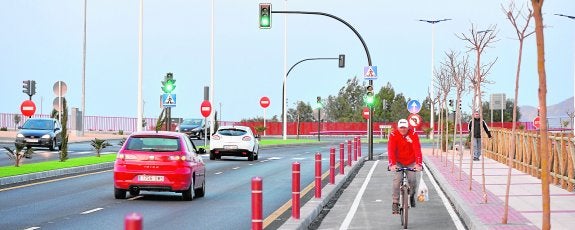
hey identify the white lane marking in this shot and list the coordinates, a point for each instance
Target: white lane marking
(251, 164)
(32, 228)
(234, 168)
(446, 203)
(85, 152)
(298, 158)
(218, 173)
(135, 198)
(91, 211)
(274, 158)
(355, 204)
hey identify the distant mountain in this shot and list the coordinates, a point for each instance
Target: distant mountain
(528, 113)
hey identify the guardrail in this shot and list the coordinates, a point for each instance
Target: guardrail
(527, 154)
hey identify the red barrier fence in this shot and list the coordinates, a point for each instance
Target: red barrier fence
(295, 190)
(257, 203)
(133, 221)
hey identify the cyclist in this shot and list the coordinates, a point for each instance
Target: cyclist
(404, 150)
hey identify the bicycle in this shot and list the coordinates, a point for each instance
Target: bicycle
(405, 191)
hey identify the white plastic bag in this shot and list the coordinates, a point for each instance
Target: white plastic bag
(422, 191)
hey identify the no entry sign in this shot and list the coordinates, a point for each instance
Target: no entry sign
(28, 108)
(206, 108)
(264, 102)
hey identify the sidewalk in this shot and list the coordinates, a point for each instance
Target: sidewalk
(525, 207)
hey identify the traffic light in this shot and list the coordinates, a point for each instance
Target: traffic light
(169, 83)
(369, 98)
(26, 87)
(265, 15)
(341, 63)
(32, 87)
(450, 103)
(460, 104)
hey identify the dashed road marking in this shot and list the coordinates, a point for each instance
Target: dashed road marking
(218, 173)
(298, 158)
(234, 168)
(135, 198)
(32, 228)
(91, 211)
(274, 158)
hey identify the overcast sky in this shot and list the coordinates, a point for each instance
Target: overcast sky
(42, 40)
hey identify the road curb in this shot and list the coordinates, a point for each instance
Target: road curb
(54, 173)
(463, 210)
(313, 207)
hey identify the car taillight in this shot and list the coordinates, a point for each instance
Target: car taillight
(246, 138)
(215, 137)
(178, 158)
(126, 156)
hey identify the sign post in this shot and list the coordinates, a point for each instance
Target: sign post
(28, 108)
(206, 110)
(264, 103)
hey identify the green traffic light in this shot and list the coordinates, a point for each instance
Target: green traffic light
(369, 100)
(265, 22)
(169, 86)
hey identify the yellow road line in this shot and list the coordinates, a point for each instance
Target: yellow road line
(54, 180)
(287, 204)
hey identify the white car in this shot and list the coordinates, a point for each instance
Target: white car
(236, 141)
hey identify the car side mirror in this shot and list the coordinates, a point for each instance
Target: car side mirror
(201, 151)
(56, 129)
(19, 127)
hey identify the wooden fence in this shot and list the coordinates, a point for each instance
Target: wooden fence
(527, 154)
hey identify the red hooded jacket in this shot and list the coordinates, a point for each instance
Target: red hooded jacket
(400, 150)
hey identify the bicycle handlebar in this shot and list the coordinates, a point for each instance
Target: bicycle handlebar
(403, 169)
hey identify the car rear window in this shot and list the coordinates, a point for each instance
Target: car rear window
(232, 132)
(154, 144)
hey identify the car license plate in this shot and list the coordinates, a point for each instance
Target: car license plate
(32, 140)
(150, 178)
(230, 146)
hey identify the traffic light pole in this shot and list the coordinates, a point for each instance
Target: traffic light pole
(370, 122)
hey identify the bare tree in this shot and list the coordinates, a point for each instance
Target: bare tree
(460, 71)
(433, 102)
(444, 80)
(479, 41)
(513, 15)
(544, 147)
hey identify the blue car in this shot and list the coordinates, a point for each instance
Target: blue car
(194, 128)
(40, 132)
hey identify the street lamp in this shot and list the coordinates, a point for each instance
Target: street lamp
(573, 121)
(432, 22)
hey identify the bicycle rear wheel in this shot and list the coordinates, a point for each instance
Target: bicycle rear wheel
(404, 207)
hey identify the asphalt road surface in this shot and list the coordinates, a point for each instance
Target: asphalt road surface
(87, 201)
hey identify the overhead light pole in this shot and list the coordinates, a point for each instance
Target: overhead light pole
(140, 67)
(431, 89)
(572, 121)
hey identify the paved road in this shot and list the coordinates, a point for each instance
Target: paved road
(86, 202)
(366, 204)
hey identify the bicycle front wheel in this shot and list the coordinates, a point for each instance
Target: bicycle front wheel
(404, 207)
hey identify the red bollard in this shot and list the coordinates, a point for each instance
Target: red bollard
(355, 149)
(133, 221)
(359, 146)
(348, 152)
(341, 159)
(318, 175)
(295, 190)
(332, 166)
(257, 203)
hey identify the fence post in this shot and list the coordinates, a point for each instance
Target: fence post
(332, 166)
(318, 175)
(355, 149)
(133, 221)
(348, 152)
(257, 203)
(295, 190)
(341, 159)
(359, 146)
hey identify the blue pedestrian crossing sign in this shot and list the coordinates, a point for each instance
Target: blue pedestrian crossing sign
(370, 73)
(413, 106)
(169, 100)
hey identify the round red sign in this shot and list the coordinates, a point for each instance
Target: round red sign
(206, 108)
(537, 122)
(264, 102)
(365, 113)
(414, 120)
(28, 108)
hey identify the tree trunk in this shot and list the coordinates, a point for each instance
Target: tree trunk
(544, 150)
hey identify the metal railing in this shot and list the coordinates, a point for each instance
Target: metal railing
(527, 154)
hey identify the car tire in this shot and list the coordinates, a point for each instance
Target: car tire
(200, 192)
(188, 194)
(119, 193)
(256, 156)
(53, 145)
(212, 156)
(200, 135)
(250, 156)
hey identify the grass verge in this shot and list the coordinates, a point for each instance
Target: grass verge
(6, 171)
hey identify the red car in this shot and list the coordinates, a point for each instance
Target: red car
(159, 161)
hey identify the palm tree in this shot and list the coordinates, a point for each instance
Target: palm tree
(98, 145)
(17, 154)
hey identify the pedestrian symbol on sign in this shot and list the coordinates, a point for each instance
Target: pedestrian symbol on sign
(370, 72)
(169, 100)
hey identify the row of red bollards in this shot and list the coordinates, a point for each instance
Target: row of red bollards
(257, 187)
